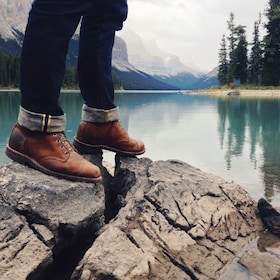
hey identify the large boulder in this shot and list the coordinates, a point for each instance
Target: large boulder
(178, 223)
(146, 220)
(43, 221)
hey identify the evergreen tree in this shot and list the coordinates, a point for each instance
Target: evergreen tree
(9, 73)
(223, 63)
(239, 58)
(271, 62)
(232, 44)
(117, 81)
(9, 69)
(3, 70)
(255, 60)
(70, 77)
(14, 69)
(237, 62)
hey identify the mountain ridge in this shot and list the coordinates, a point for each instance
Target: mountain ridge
(137, 67)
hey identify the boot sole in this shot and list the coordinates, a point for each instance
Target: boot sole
(93, 149)
(23, 159)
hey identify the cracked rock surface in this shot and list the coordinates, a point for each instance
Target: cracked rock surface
(178, 223)
(150, 220)
(41, 218)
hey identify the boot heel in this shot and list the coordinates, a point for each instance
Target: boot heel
(86, 149)
(14, 155)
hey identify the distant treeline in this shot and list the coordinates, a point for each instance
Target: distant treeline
(9, 69)
(9, 73)
(262, 65)
(71, 78)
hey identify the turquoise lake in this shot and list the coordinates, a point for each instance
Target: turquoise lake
(236, 138)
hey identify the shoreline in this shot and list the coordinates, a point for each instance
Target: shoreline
(206, 92)
(241, 92)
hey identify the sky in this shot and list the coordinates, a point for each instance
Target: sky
(191, 29)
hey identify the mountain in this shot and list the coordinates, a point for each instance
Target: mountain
(13, 17)
(131, 77)
(208, 80)
(148, 57)
(162, 66)
(138, 65)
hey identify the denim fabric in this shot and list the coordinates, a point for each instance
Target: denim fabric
(50, 26)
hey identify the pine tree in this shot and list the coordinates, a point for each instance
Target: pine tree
(239, 58)
(223, 63)
(237, 62)
(14, 69)
(255, 61)
(9, 69)
(271, 62)
(117, 81)
(70, 77)
(3, 69)
(232, 44)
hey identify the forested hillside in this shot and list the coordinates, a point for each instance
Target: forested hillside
(9, 73)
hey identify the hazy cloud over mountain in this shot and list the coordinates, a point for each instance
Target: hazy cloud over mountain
(191, 29)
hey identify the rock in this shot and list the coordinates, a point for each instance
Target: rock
(22, 253)
(234, 93)
(149, 220)
(263, 265)
(178, 222)
(41, 218)
(259, 259)
(270, 216)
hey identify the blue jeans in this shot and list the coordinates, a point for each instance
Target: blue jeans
(50, 27)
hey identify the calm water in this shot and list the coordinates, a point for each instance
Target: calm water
(235, 138)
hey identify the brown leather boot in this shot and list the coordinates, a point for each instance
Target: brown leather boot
(92, 137)
(51, 154)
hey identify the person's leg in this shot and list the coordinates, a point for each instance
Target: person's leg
(94, 60)
(44, 51)
(38, 138)
(100, 127)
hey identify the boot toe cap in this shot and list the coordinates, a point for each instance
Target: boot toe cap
(89, 170)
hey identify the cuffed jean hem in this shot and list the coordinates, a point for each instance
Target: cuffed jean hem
(41, 122)
(95, 115)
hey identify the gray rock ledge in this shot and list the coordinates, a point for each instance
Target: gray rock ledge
(151, 220)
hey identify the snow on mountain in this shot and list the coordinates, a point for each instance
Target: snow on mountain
(130, 54)
(213, 73)
(131, 77)
(13, 17)
(120, 56)
(138, 55)
(208, 80)
(175, 66)
(148, 57)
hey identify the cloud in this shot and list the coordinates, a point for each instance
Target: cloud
(191, 29)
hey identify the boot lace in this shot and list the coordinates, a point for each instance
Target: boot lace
(65, 143)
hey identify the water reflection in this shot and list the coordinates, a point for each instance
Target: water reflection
(9, 104)
(235, 138)
(260, 118)
(233, 112)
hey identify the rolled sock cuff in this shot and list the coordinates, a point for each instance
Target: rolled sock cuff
(95, 115)
(41, 122)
